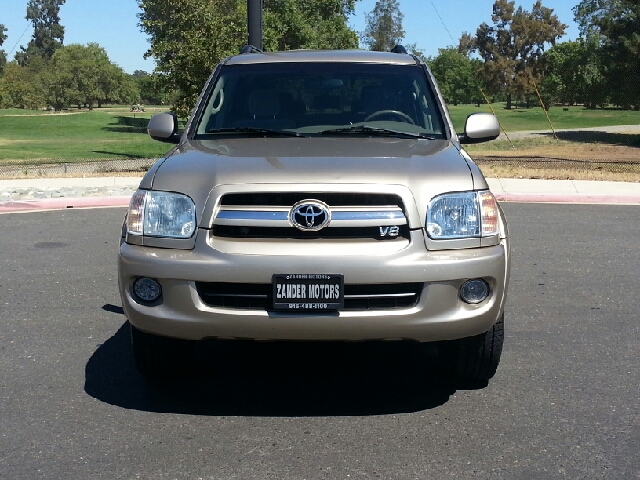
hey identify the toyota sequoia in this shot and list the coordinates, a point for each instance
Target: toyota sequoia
(317, 195)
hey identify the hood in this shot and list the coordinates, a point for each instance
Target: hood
(426, 167)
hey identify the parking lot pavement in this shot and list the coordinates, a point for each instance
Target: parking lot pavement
(563, 405)
(59, 193)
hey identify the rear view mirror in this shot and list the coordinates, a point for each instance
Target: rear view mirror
(164, 128)
(480, 127)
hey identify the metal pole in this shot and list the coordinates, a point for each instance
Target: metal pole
(254, 21)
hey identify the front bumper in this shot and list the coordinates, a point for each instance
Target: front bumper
(438, 315)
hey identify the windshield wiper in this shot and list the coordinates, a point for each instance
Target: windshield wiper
(375, 130)
(257, 131)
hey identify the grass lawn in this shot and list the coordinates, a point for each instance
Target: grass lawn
(114, 132)
(36, 136)
(534, 118)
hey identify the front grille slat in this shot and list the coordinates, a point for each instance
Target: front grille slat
(340, 216)
(230, 231)
(278, 199)
(356, 297)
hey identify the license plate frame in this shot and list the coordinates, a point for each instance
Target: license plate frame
(317, 292)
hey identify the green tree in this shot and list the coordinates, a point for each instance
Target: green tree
(116, 86)
(616, 23)
(84, 75)
(150, 88)
(88, 67)
(60, 86)
(127, 88)
(512, 47)
(290, 24)
(562, 77)
(457, 76)
(21, 87)
(574, 73)
(384, 26)
(48, 34)
(3, 55)
(189, 37)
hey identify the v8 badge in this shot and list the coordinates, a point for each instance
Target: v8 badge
(389, 231)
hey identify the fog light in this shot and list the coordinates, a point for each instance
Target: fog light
(474, 291)
(147, 289)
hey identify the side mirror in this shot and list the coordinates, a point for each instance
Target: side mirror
(164, 128)
(480, 127)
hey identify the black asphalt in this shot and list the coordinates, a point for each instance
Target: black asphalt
(563, 405)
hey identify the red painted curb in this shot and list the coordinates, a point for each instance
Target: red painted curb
(569, 198)
(64, 203)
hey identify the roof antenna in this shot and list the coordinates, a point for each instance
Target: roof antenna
(398, 49)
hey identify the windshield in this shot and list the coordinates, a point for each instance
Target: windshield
(321, 99)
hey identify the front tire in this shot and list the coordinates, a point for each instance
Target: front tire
(474, 360)
(161, 358)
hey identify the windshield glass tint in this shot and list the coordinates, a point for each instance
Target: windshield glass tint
(309, 98)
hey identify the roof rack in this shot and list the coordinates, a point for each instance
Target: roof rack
(398, 49)
(250, 49)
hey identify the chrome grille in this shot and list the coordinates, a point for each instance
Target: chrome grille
(259, 296)
(267, 215)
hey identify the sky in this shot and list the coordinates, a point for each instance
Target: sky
(113, 24)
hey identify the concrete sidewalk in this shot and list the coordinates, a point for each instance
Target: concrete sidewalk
(565, 191)
(60, 193)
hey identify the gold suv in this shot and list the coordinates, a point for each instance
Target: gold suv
(316, 195)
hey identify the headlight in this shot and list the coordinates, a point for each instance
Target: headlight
(462, 215)
(161, 214)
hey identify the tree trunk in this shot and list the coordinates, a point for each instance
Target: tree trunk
(508, 107)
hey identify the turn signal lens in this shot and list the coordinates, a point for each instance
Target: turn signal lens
(489, 209)
(135, 216)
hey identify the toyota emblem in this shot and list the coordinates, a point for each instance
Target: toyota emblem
(310, 215)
